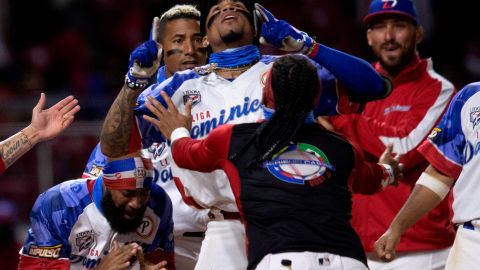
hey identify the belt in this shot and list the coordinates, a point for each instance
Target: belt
(194, 234)
(217, 214)
(470, 226)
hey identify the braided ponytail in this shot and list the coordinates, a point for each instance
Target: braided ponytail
(295, 86)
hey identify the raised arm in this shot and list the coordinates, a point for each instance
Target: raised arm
(45, 125)
(144, 63)
(363, 83)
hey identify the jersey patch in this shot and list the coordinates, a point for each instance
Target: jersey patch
(434, 133)
(475, 116)
(299, 164)
(50, 252)
(193, 95)
(85, 240)
(146, 228)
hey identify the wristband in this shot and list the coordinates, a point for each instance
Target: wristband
(135, 83)
(435, 185)
(388, 175)
(179, 133)
(312, 51)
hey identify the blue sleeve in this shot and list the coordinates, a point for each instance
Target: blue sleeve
(448, 136)
(169, 86)
(95, 162)
(162, 206)
(327, 104)
(52, 218)
(46, 237)
(149, 132)
(363, 83)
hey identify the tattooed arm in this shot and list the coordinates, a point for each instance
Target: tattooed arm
(115, 134)
(45, 125)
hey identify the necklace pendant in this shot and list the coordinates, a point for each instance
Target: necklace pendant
(205, 70)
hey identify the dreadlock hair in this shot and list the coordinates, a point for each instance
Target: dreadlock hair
(295, 87)
(178, 12)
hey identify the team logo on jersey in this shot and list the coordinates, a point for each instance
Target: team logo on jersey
(51, 252)
(389, 3)
(85, 240)
(96, 170)
(475, 116)
(146, 227)
(299, 164)
(434, 133)
(156, 151)
(193, 95)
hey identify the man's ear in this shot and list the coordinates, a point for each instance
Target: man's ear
(162, 60)
(369, 37)
(419, 33)
(205, 42)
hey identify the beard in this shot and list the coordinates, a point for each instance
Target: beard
(231, 37)
(114, 215)
(395, 65)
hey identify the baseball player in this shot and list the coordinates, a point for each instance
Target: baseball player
(45, 125)
(229, 90)
(120, 220)
(291, 178)
(405, 118)
(453, 152)
(178, 33)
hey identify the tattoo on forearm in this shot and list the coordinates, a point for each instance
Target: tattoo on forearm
(13, 148)
(115, 133)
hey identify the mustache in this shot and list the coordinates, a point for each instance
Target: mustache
(178, 51)
(390, 43)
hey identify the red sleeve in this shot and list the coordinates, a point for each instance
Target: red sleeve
(34, 263)
(406, 133)
(366, 177)
(439, 161)
(135, 141)
(158, 256)
(203, 155)
(2, 166)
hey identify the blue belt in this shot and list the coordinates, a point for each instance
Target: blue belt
(469, 225)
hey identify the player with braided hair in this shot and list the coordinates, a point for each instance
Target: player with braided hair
(300, 170)
(229, 90)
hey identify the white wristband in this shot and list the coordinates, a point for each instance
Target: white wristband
(388, 175)
(435, 185)
(179, 133)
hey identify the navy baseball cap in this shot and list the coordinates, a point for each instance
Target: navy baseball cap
(400, 7)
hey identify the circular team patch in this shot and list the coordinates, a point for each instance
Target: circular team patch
(299, 163)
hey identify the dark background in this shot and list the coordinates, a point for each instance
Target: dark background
(81, 47)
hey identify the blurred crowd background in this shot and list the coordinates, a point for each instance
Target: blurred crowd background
(81, 47)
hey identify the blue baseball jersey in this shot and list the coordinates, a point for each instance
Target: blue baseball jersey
(453, 148)
(67, 224)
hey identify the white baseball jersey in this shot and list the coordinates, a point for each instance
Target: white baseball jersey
(216, 101)
(453, 148)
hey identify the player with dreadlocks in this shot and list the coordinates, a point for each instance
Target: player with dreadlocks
(288, 166)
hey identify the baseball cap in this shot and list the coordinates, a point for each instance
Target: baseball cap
(400, 7)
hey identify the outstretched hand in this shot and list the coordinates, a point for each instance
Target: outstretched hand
(50, 122)
(168, 118)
